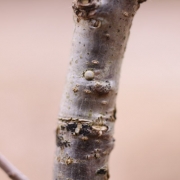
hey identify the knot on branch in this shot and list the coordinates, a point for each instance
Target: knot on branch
(103, 87)
(85, 9)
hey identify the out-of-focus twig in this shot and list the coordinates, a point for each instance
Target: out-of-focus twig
(10, 169)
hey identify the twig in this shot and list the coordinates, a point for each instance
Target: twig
(102, 29)
(10, 169)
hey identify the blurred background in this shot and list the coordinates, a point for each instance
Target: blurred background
(35, 41)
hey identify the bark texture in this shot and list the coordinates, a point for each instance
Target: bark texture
(84, 135)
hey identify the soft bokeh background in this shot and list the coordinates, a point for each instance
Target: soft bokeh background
(35, 40)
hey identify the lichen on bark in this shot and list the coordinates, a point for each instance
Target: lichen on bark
(84, 135)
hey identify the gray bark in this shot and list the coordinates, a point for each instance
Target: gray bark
(87, 114)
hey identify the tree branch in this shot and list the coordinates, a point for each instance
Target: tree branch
(84, 135)
(10, 169)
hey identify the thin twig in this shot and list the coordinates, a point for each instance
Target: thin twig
(10, 169)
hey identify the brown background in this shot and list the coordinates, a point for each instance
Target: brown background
(35, 40)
